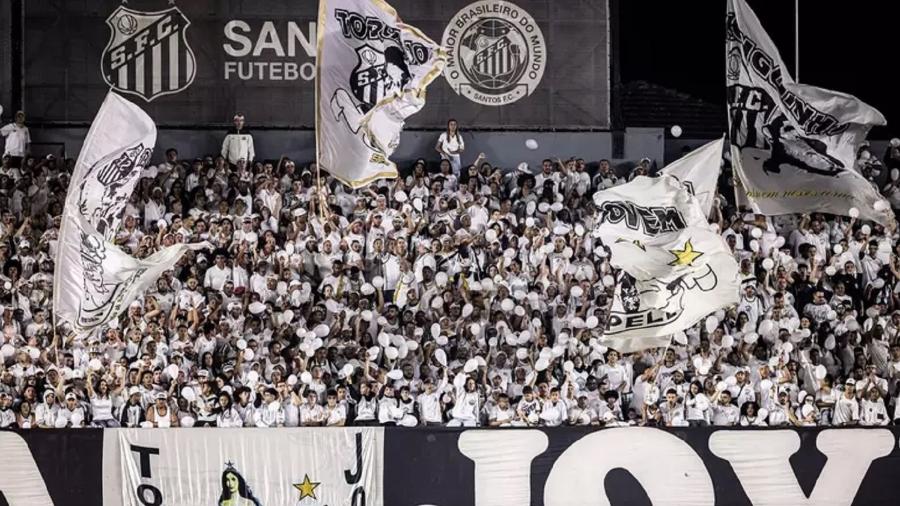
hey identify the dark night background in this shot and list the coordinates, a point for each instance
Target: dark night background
(848, 46)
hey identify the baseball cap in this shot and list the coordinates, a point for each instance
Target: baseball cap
(850, 382)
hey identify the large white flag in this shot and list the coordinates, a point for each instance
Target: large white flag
(95, 280)
(372, 71)
(698, 171)
(674, 280)
(644, 208)
(793, 146)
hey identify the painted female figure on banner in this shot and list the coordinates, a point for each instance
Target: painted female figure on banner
(235, 491)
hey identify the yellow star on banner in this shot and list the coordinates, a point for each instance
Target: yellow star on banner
(307, 488)
(685, 256)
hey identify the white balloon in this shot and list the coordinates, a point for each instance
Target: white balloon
(441, 279)
(821, 372)
(721, 386)
(441, 357)
(188, 421)
(475, 329)
(188, 394)
(172, 371)
(507, 305)
(384, 340)
(391, 353)
(830, 270)
(347, 370)
(442, 340)
(541, 364)
(675, 131)
(306, 377)
(435, 329)
(531, 144)
(754, 245)
(712, 323)
(569, 366)
(830, 342)
(412, 345)
(681, 338)
(878, 283)
(787, 347)
(591, 322)
(756, 232)
(768, 263)
(95, 364)
(395, 374)
(470, 366)
(248, 354)
(373, 352)
(321, 330)
(727, 341)
(522, 353)
(378, 282)
(253, 376)
(519, 311)
(511, 340)
(766, 327)
(731, 381)
(881, 205)
(765, 385)
(558, 351)
(751, 337)
(853, 212)
(292, 380)
(576, 291)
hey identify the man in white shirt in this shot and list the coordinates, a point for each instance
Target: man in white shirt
(724, 412)
(554, 412)
(238, 144)
(18, 140)
(311, 413)
(846, 410)
(430, 402)
(218, 274)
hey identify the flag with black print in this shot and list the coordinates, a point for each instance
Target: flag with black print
(371, 75)
(793, 145)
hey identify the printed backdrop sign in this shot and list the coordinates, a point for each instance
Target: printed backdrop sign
(247, 466)
(519, 63)
(563, 466)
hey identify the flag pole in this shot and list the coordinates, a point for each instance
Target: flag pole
(797, 40)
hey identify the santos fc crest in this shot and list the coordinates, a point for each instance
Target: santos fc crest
(148, 54)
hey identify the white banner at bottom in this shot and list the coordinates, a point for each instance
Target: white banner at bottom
(244, 467)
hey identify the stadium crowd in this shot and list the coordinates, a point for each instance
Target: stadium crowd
(470, 295)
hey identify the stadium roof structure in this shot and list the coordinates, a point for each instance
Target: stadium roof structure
(646, 104)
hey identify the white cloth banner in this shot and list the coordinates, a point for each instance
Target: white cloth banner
(372, 71)
(644, 208)
(698, 171)
(678, 278)
(95, 280)
(244, 467)
(793, 146)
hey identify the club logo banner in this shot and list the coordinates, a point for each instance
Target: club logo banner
(497, 53)
(195, 63)
(148, 53)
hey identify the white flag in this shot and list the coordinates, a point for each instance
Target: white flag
(95, 280)
(793, 146)
(372, 71)
(674, 281)
(698, 171)
(644, 208)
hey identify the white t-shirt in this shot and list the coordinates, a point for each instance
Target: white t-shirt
(452, 144)
(845, 411)
(17, 139)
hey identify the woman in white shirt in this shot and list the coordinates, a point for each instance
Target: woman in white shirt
(696, 406)
(101, 403)
(228, 416)
(450, 145)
